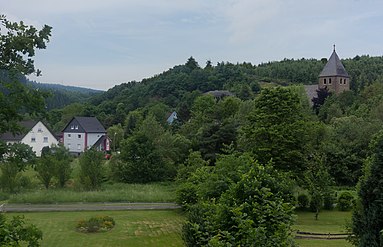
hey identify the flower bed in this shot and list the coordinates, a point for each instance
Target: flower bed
(96, 224)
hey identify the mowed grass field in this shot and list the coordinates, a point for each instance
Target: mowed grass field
(160, 228)
(328, 222)
(155, 228)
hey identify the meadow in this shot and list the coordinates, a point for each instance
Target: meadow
(155, 228)
(160, 228)
(328, 222)
(118, 192)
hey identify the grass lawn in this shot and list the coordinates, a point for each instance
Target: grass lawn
(159, 228)
(133, 228)
(328, 222)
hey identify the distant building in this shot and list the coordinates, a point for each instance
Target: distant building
(334, 76)
(36, 135)
(172, 117)
(82, 133)
(219, 94)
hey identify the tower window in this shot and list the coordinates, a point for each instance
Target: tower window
(345, 81)
(324, 81)
(340, 81)
(329, 81)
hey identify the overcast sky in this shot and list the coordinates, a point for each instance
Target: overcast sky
(99, 44)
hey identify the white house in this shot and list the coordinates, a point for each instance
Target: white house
(35, 134)
(82, 133)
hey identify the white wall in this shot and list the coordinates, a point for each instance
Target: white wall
(38, 137)
(75, 142)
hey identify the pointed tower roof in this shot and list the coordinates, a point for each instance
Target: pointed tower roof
(334, 67)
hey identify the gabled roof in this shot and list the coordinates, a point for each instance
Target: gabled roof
(89, 124)
(220, 93)
(27, 126)
(334, 67)
(172, 117)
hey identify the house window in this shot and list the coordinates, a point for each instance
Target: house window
(33, 139)
(79, 136)
(68, 145)
(72, 127)
(45, 139)
(79, 146)
(76, 127)
(69, 135)
(39, 130)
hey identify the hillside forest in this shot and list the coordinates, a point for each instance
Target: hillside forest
(245, 140)
(266, 134)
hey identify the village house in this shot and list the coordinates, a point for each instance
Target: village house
(35, 134)
(83, 133)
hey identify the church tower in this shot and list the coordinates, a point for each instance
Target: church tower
(334, 76)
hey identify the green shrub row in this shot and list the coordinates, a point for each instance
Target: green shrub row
(344, 202)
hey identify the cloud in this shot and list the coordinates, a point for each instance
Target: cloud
(247, 17)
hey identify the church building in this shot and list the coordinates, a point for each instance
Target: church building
(334, 76)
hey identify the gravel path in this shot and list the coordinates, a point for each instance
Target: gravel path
(85, 207)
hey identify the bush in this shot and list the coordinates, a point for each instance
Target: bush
(328, 201)
(96, 224)
(345, 201)
(91, 171)
(316, 202)
(303, 201)
(187, 195)
(3, 196)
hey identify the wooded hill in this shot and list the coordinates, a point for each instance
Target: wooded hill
(59, 96)
(179, 86)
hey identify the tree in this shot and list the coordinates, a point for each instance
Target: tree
(214, 124)
(367, 218)
(54, 162)
(18, 43)
(277, 129)
(318, 182)
(45, 167)
(347, 146)
(16, 158)
(116, 133)
(91, 172)
(252, 207)
(322, 94)
(62, 159)
(15, 232)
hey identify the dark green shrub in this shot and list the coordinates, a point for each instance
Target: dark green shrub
(345, 201)
(25, 182)
(316, 202)
(91, 170)
(187, 195)
(328, 201)
(303, 201)
(3, 196)
(96, 224)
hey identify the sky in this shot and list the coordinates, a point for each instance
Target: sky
(102, 43)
